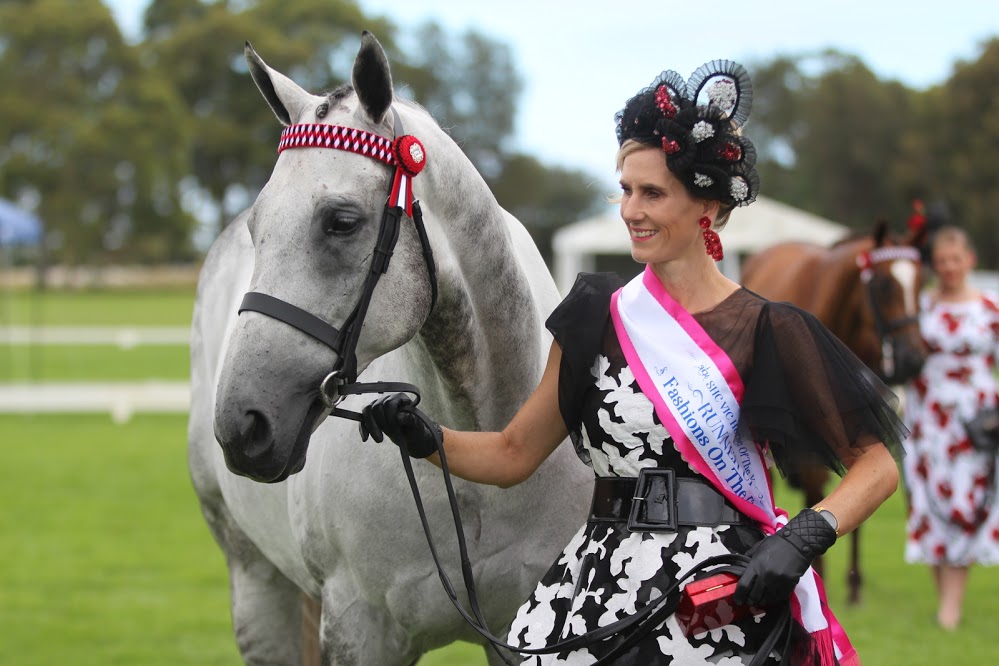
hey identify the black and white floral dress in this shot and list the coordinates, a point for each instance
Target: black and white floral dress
(606, 573)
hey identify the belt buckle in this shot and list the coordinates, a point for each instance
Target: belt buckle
(653, 508)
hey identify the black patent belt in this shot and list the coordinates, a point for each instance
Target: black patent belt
(658, 501)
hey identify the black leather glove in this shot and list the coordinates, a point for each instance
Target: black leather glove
(779, 560)
(394, 416)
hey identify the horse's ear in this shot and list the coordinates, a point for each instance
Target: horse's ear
(284, 96)
(880, 232)
(372, 79)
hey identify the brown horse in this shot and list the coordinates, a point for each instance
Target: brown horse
(865, 289)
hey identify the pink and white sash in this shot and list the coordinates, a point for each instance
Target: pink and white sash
(696, 391)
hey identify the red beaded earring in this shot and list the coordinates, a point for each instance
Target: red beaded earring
(712, 243)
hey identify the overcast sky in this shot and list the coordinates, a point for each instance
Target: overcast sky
(581, 59)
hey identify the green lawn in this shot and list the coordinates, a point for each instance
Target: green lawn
(106, 561)
(97, 307)
(49, 363)
(105, 558)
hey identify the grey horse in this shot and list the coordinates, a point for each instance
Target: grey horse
(327, 517)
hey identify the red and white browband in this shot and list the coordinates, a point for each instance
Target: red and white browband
(405, 153)
(879, 255)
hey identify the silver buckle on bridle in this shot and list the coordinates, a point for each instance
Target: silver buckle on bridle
(336, 398)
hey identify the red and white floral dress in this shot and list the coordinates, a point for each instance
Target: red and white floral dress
(951, 487)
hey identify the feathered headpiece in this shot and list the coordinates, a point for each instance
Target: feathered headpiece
(699, 136)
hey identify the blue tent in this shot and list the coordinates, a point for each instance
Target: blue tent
(17, 226)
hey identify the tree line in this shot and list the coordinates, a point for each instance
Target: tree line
(132, 151)
(843, 144)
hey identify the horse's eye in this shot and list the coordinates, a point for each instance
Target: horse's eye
(338, 224)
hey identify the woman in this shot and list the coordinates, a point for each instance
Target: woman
(950, 485)
(676, 376)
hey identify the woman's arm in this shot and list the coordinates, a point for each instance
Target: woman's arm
(778, 561)
(506, 458)
(871, 478)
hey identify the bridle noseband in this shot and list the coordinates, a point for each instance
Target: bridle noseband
(408, 156)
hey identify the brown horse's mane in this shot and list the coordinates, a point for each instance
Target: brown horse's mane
(880, 235)
(851, 237)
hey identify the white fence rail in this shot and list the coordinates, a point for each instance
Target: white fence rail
(119, 399)
(126, 337)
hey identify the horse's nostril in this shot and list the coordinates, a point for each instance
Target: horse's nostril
(255, 431)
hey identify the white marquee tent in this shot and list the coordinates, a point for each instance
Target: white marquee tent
(749, 230)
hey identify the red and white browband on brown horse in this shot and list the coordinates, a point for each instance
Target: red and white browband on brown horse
(405, 153)
(867, 260)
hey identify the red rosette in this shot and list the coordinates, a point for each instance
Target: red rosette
(410, 154)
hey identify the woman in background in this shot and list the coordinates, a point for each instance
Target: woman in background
(953, 522)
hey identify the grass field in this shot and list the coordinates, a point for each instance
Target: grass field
(93, 307)
(105, 560)
(49, 363)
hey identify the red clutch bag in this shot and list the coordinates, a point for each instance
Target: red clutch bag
(707, 604)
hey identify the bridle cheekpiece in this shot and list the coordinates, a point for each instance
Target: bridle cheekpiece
(866, 261)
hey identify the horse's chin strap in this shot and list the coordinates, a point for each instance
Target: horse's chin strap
(342, 380)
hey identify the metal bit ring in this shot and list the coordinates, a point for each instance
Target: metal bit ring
(337, 397)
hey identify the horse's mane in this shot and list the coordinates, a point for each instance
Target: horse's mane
(851, 237)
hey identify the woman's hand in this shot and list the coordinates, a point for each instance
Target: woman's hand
(396, 417)
(779, 560)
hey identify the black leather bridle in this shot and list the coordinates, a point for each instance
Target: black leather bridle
(408, 161)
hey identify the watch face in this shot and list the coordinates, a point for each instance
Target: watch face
(830, 518)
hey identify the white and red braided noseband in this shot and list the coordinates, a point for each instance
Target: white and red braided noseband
(405, 153)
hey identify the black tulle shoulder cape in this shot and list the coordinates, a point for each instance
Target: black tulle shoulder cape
(807, 395)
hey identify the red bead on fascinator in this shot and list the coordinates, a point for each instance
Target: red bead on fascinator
(712, 243)
(664, 102)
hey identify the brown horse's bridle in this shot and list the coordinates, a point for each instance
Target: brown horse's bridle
(886, 328)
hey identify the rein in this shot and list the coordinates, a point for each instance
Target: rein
(407, 155)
